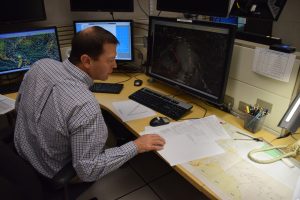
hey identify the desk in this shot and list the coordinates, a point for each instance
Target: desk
(137, 126)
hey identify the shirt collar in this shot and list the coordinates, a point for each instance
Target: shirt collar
(77, 73)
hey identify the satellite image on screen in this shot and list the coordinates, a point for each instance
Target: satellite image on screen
(19, 53)
(192, 57)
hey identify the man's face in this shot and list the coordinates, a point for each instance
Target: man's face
(103, 66)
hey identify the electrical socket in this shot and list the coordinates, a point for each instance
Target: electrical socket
(242, 106)
(264, 104)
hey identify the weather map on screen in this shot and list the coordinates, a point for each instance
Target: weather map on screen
(19, 50)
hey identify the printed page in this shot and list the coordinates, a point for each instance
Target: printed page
(130, 110)
(273, 64)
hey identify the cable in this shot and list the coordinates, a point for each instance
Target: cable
(158, 14)
(188, 118)
(141, 54)
(141, 23)
(130, 77)
(200, 107)
(142, 9)
(294, 150)
(112, 15)
(141, 28)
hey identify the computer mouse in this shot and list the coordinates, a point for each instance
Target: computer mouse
(138, 82)
(158, 121)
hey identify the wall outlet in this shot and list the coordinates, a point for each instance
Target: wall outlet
(242, 106)
(264, 104)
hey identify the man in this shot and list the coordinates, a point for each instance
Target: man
(59, 119)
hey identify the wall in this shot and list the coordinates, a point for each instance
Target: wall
(247, 86)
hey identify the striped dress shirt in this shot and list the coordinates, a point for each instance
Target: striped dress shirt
(59, 120)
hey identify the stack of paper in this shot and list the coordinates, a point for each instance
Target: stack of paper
(190, 139)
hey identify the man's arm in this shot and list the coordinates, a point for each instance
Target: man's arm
(91, 161)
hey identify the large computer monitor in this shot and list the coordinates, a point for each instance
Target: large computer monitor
(122, 29)
(19, 50)
(192, 56)
(16, 11)
(102, 5)
(209, 7)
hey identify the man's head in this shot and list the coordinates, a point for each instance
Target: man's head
(94, 52)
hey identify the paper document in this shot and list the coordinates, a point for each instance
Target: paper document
(131, 110)
(6, 104)
(190, 139)
(232, 175)
(273, 64)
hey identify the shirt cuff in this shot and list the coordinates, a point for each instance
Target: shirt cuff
(130, 148)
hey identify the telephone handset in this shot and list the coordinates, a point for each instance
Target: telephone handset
(293, 150)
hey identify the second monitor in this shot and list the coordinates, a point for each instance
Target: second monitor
(121, 29)
(192, 56)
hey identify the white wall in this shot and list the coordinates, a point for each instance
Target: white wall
(247, 86)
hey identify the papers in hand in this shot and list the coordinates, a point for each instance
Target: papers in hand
(131, 110)
(190, 139)
(6, 104)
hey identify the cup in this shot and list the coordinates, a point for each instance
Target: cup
(254, 123)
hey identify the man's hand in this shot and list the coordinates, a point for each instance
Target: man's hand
(149, 142)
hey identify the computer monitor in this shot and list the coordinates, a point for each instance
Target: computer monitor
(192, 56)
(19, 50)
(209, 7)
(16, 11)
(102, 5)
(122, 29)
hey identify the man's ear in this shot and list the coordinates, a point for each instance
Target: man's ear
(86, 61)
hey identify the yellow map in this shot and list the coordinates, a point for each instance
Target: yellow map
(232, 176)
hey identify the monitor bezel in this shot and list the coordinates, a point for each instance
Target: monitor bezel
(32, 19)
(123, 20)
(130, 8)
(162, 7)
(29, 30)
(232, 30)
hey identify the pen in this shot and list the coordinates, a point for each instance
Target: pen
(247, 109)
(253, 138)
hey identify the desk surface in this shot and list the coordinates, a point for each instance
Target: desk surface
(197, 111)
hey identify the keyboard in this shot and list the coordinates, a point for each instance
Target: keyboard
(170, 107)
(10, 88)
(114, 88)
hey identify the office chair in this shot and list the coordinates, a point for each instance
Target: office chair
(20, 181)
